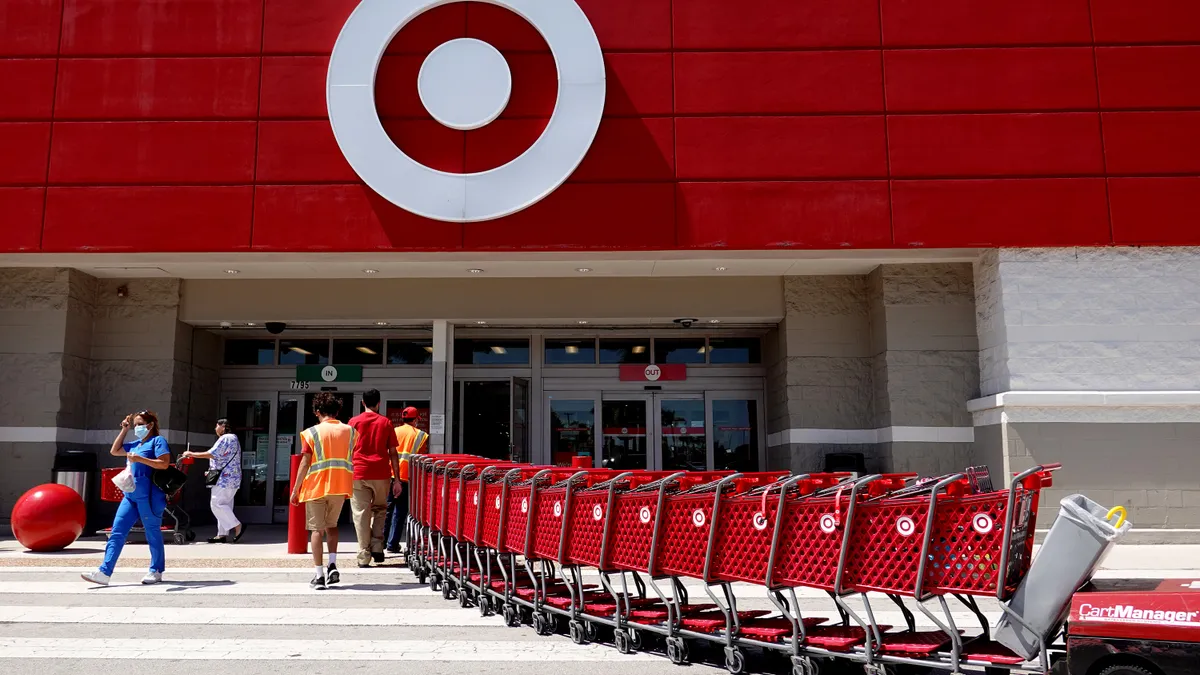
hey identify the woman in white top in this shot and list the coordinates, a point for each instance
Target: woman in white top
(224, 456)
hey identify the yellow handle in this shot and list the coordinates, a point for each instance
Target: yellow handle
(1116, 511)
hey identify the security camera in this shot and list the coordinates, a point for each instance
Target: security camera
(276, 327)
(686, 323)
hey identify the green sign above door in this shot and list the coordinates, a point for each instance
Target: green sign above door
(329, 373)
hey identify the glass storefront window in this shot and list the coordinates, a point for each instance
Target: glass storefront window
(734, 350)
(249, 352)
(303, 352)
(572, 430)
(250, 421)
(615, 351)
(625, 434)
(363, 352)
(570, 352)
(498, 352)
(685, 444)
(409, 352)
(735, 435)
(679, 350)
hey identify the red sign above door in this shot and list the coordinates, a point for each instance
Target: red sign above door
(663, 373)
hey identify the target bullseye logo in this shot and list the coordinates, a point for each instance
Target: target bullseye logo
(905, 526)
(698, 518)
(524, 505)
(597, 512)
(558, 509)
(465, 84)
(760, 521)
(982, 523)
(828, 523)
(644, 515)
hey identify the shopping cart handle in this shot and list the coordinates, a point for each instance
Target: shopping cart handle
(1052, 466)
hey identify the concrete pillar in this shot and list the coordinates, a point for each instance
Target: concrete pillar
(1091, 357)
(441, 405)
(924, 364)
(45, 346)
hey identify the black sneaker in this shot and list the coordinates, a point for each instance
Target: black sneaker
(378, 557)
(318, 582)
(332, 575)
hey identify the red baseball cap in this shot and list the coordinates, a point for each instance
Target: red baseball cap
(409, 413)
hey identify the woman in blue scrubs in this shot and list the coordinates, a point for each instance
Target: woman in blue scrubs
(145, 454)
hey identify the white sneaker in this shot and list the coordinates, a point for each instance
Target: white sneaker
(97, 577)
(152, 578)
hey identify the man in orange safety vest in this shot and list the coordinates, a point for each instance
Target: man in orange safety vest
(411, 440)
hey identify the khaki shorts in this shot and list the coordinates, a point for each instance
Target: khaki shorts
(322, 514)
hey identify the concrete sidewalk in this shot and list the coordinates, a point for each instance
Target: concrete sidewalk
(266, 546)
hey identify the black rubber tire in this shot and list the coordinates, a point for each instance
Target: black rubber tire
(735, 662)
(1125, 669)
(637, 640)
(180, 538)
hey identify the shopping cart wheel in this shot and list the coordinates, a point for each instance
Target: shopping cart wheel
(591, 631)
(802, 665)
(434, 584)
(180, 538)
(485, 605)
(575, 629)
(621, 641)
(512, 616)
(637, 640)
(447, 591)
(542, 624)
(677, 650)
(735, 660)
(464, 599)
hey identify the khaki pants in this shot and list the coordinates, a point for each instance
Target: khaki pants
(368, 508)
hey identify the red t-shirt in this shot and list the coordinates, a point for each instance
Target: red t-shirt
(375, 436)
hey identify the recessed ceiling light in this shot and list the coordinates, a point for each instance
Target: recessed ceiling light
(720, 269)
(429, 349)
(481, 323)
(475, 270)
(639, 349)
(381, 323)
(583, 323)
(572, 349)
(370, 271)
(300, 350)
(367, 350)
(251, 324)
(714, 321)
(497, 349)
(231, 272)
(583, 269)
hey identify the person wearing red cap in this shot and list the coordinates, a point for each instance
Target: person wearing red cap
(409, 440)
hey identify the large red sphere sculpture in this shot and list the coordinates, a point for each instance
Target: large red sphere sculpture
(49, 517)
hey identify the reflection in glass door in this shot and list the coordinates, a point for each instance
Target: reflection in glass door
(626, 438)
(735, 434)
(287, 439)
(251, 423)
(572, 430)
(683, 437)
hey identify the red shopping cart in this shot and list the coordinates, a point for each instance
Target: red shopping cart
(180, 529)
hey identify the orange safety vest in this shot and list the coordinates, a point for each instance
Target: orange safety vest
(331, 471)
(411, 440)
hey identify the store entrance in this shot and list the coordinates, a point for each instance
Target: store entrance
(493, 418)
(268, 427)
(658, 431)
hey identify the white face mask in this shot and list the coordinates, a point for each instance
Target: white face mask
(141, 431)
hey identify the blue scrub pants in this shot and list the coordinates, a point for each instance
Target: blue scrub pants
(396, 527)
(149, 509)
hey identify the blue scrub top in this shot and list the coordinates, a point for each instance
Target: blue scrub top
(151, 448)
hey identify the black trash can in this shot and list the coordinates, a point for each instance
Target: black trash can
(840, 462)
(77, 470)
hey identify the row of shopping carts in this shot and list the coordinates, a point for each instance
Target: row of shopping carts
(523, 541)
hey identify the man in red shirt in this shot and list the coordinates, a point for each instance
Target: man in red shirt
(375, 462)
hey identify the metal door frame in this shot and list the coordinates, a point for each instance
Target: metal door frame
(744, 395)
(656, 399)
(648, 399)
(547, 451)
(258, 514)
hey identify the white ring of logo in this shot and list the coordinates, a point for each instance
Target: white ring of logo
(524, 505)
(828, 524)
(557, 509)
(470, 197)
(644, 515)
(475, 499)
(497, 503)
(698, 518)
(329, 373)
(905, 526)
(652, 373)
(982, 523)
(597, 512)
(760, 521)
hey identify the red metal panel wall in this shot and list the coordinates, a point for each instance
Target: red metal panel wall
(200, 125)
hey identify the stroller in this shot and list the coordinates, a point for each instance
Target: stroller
(181, 523)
